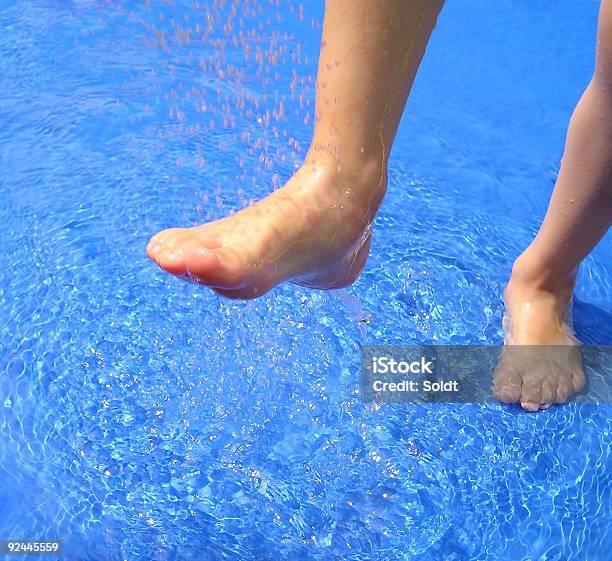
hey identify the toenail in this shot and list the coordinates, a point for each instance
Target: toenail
(530, 406)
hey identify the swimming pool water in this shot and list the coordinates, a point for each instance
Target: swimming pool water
(144, 418)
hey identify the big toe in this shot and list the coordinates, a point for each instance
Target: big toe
(507, 385)
(218, 268)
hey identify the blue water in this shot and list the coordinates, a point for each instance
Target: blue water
(144, 418)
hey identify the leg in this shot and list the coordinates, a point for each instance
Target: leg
(538, 296)
(315, 230)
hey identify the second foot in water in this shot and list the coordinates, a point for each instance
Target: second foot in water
(541, 363)
(315, 231)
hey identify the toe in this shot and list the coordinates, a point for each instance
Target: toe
(564, 390)
(153, 249)
(172, 261)
(548, 394)
(578, 379)
(169, 237)
(531, 396)
(219, 268)
(162, 241)
(507, 386)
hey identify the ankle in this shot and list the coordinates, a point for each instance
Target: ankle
(360, 180)
(534, 274)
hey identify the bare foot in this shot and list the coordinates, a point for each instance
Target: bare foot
(314, 231)
(541, 362)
